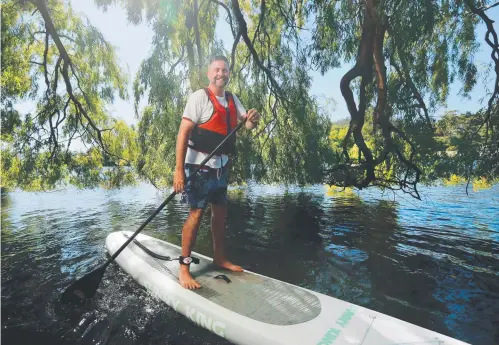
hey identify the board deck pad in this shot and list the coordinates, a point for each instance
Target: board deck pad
(259, 298)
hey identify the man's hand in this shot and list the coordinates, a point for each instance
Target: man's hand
(179, 180)
(252, 118)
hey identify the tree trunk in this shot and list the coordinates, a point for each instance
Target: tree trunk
(363, 69)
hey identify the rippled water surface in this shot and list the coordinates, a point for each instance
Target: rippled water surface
(434, 263)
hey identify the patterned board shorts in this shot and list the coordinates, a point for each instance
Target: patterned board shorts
(207, 186)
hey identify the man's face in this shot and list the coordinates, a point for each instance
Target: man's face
(218, 73)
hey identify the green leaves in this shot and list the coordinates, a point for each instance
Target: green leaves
(16, 54)
(71, 89)
(444, 156)
(422, 47)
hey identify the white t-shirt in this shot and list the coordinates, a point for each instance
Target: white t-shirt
(199, 109)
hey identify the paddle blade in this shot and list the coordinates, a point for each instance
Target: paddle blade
(84, 288)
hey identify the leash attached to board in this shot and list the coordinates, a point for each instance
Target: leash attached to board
(181, 259)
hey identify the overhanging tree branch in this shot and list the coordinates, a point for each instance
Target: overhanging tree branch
(485, 8)
(243, 29)
(494, 44)
(197, 35)
(228, 15)
(363, 69)
(493, 103)
(405, 74)
(50, 28)
(370, 55)
(233, 53)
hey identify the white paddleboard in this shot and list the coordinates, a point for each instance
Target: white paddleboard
(248, 308)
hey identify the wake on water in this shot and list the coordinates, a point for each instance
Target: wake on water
(124, 313)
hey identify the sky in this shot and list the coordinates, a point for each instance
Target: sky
(133, 44)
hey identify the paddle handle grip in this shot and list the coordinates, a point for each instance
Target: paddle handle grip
(172, 195)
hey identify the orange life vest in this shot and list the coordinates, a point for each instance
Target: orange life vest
(206, 136)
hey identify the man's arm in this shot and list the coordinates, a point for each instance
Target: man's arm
(184, 131)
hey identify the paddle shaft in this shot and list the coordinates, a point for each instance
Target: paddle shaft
(172, 195)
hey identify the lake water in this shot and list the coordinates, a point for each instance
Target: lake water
(434, 263)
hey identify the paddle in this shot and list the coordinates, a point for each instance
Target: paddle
(85, 288)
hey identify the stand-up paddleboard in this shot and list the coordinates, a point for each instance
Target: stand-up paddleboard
(248, 308)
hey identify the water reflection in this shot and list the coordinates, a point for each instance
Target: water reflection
(433, 263)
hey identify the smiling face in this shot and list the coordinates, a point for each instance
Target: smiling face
(218, 73)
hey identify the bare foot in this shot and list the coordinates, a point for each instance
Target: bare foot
(228, 265)
(186, 279)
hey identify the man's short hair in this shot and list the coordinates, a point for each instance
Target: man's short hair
(219, 58)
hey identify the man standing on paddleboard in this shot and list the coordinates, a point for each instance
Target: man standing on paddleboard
(209, 116)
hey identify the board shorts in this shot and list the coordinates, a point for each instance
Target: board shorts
(207, 186)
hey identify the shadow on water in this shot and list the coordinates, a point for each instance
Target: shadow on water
(419, 264)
